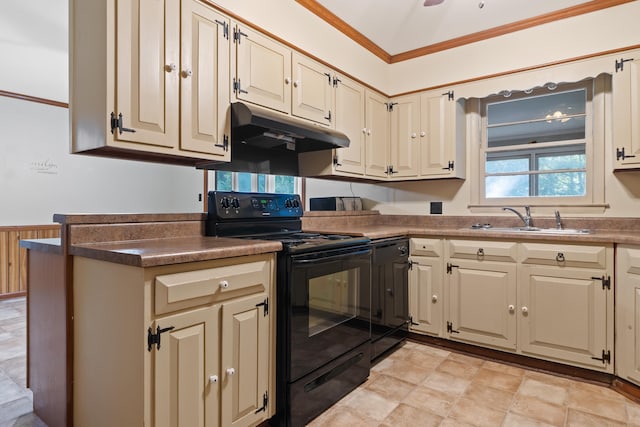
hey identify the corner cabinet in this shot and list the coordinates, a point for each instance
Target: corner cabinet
(628, 313)
(626, 110)
(178, 345)
(149, 80)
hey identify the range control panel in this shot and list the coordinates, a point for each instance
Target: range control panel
(235, 205)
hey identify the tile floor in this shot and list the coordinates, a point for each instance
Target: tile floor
(417, 385)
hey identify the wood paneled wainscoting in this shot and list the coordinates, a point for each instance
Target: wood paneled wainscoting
(13, 258)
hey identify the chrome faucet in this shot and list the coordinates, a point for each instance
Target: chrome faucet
(526, 218)
(558, 220)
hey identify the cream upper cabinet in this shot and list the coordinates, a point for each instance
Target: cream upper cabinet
(197, 341)
(626, 110)
(442, 136)
(312, 92)
(204, 80)
(137, 78)
(349, 118)
(627, 357)
(262, 70)
(481, 296)
(404, 143)
(426, 302)
(376, 135)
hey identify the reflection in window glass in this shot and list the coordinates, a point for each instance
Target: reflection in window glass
(562, 184)
(284, 184)
(244, 181)
(507, 186)
(224, 181)
(507, 165)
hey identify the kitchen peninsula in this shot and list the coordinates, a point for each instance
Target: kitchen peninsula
(82, 305)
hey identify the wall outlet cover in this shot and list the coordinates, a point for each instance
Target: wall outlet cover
(435, 208)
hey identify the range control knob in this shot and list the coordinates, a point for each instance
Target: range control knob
(288, 203)
(296, 203)
(224, 202)
(235, 202)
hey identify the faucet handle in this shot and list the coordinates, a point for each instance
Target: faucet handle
(527, 210)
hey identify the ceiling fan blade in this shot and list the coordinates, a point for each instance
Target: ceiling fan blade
(432, 2)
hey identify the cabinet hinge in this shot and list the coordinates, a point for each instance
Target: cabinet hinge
(449, 166)
(411, 322)
(225, 28)
(606, 357)
(620, 64)
(450, 328)
(225, 143)
(264, 304)
(237, 87)
(237, 35)
(620, 155)
(336, 161)
(265, 400)
(116, 123)
(336, 81)
(449, 95)
(328, 116)
(410, 264)
(390, 170)
(390, 105)
(606, 281)
(155, 338)
(450, 267)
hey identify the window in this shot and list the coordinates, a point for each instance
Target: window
(539, 146)
(251, 182)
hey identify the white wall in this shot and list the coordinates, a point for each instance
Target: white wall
(38, 176)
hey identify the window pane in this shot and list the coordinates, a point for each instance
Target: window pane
(502, 165)
(507, 186)
(539, 107)
(223, 181)
(562, 161)
(284, 184)
(536, 132)
(562, 184)
(262, 183)
(244, 181)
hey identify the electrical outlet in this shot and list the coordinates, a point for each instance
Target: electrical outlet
(435, 208)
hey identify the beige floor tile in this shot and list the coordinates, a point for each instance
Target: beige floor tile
(469, 360)
(548, 378)
(597, 390)
(339, 416)
(422, 348)
(409, 416)
(446, 383)
(547, 392)
(451, 422)
(538, 409)
(633, 413)
(471, 412)
(430, 400)
(517, 420)
(406, 370)
(496, 379)
(489, 396)
(504, 368)
(591, 401)
(389, 387)
(577, 418)
(368, 404)
(457, 369)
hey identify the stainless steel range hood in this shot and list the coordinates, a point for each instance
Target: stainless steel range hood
(265, 141)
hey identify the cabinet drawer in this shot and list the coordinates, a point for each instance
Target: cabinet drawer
(483, 250)
(564, 255)
(425, 247)
(191, 288)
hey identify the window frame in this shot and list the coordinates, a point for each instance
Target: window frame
(597, 102)
(269, 183)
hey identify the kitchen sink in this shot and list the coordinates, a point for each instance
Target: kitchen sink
(533, 230)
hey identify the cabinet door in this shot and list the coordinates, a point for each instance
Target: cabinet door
(147, 60)
(626, 110)
(187, 370)
(425, 295)
(482, 298)
(563, 315)
(263, 70)
(377, 135)
(350, 120)
(404, 142)
(628, 313)
(245, 361)
(204, 76)
(437, 134)
(312, 93)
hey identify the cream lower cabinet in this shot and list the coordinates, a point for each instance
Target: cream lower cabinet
(481, 292)
(565, 304)
(628, 313)
(149, 78)
(180, 345)
(426, 301)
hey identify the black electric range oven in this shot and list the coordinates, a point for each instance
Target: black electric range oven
(323, 301)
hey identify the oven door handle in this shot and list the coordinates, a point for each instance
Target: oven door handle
(332, 257)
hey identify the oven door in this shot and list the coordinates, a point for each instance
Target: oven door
(329, 310)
